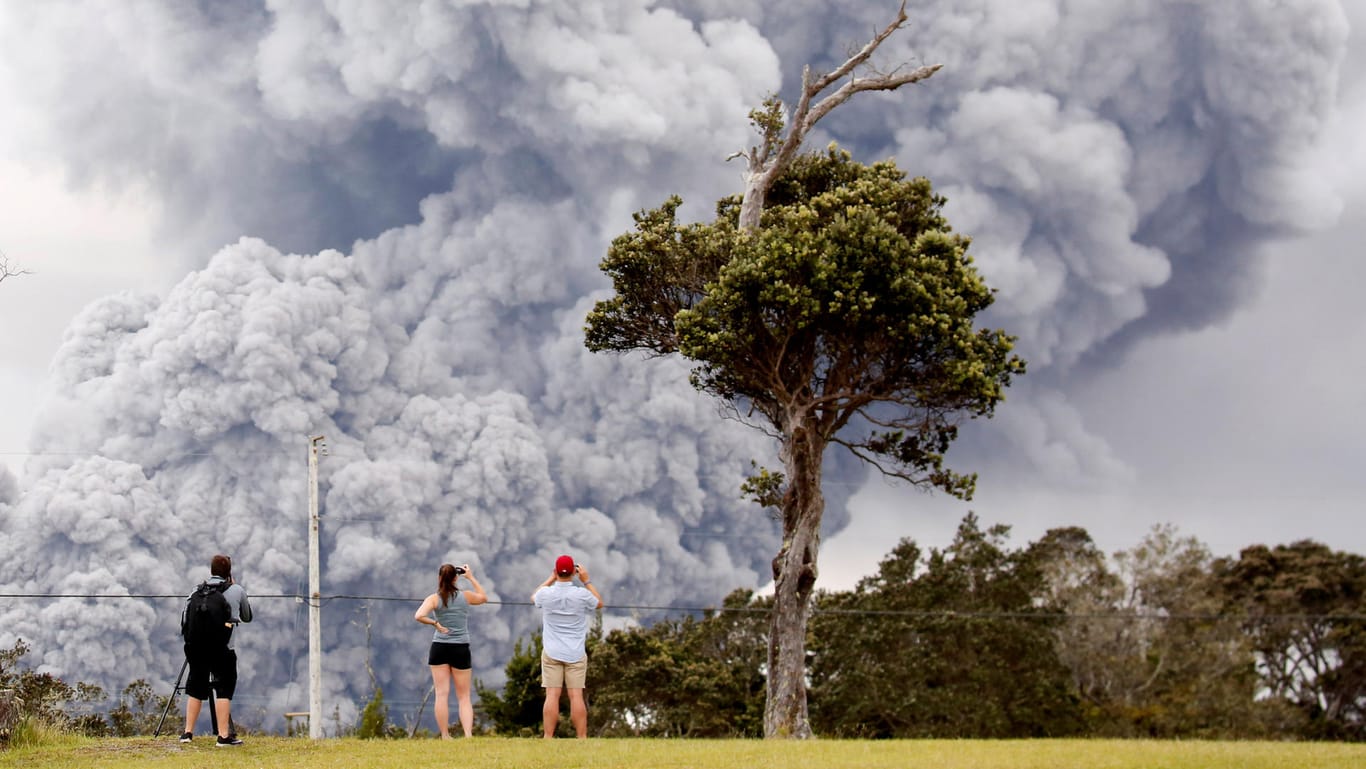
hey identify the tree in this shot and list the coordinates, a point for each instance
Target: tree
(374, 718)
(1101, 643)
(1303, 603)
(1149, 653)
(832, 301)
(847, 319)
(949, 644)
(684, 678)
(517, 711)
(1196, 674)
(138, 711)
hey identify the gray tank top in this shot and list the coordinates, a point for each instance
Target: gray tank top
(454, 618)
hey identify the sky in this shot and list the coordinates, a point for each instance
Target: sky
(248, 224)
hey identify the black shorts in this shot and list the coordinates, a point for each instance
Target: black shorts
(454, 655)
(220, 663)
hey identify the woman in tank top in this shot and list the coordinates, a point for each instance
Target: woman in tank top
(447, 610)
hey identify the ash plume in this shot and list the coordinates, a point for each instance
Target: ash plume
(415, 200)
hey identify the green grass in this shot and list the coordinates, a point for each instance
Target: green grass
(496, 753)
(34, 732)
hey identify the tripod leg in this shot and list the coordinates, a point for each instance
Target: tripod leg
(171, 699)
(213, 713)
(213, 704)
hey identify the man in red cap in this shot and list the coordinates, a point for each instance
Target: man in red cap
(565, 611)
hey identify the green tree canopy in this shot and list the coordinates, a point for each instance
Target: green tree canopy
(846, 318)
(1304, 604)
(854, 303)
(691, 677)
(517, 710)
(953, 643)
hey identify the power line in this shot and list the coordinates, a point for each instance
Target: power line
(344, 451)
(935, 613)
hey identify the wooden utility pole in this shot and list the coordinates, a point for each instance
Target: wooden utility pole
(315, 622)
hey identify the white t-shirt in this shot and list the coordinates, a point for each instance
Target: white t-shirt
(565, 610)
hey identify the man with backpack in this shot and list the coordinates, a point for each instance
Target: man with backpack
(211, 612)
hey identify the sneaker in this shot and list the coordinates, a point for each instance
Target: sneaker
(229, 741)
(186, 737)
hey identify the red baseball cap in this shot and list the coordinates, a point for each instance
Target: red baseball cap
(564, 566)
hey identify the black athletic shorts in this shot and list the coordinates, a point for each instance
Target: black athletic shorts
(221, 663)
(455, 655)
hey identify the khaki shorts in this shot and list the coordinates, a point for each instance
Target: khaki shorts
(563, 675)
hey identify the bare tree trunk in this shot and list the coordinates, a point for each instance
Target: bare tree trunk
(752, 204)
(794, 579)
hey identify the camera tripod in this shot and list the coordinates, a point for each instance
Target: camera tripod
(179, 687)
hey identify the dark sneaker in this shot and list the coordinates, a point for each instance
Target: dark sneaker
(186, 737)
(229, 741)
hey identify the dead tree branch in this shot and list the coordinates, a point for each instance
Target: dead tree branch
(767, 162)
(6, 271)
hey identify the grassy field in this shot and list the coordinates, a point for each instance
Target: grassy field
(492, 752)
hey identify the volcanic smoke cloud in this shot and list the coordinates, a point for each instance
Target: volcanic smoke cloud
(426, 191)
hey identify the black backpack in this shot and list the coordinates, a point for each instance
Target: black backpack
(207, 621)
